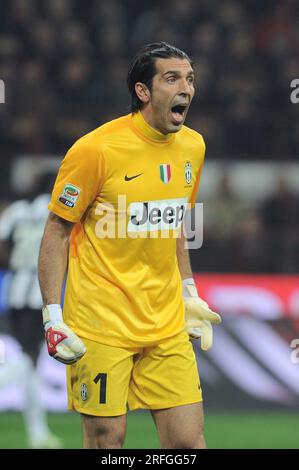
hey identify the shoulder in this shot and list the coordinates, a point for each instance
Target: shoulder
(104, 133)
(90, 150)
(193, 137)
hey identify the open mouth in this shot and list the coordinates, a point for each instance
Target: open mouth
(178, 113)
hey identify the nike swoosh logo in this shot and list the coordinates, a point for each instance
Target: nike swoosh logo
(129, 178)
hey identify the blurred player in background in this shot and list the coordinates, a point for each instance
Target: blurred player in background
(21, 228)
(124, 308)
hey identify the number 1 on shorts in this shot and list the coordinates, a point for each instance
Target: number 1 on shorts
(102, 378)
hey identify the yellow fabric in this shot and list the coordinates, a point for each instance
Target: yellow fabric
(108, 378)
(126, 291)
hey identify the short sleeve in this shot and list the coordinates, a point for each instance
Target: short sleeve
(79, 180)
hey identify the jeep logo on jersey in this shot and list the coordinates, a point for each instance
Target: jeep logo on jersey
(165, 173)
(188, 172)
(151, 216)
(69, 195)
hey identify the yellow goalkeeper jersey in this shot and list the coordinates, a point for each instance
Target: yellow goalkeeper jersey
(126, 187)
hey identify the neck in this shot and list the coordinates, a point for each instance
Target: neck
(148, 117)
(147, 129)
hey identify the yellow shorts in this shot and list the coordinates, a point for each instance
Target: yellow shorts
(109, 378)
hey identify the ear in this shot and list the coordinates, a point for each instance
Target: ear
(142, 92)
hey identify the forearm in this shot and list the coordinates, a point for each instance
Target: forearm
(183, 258)
(53, 259)
(63, 344)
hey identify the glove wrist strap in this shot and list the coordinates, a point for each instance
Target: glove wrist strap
(52, 313)
(189, 288)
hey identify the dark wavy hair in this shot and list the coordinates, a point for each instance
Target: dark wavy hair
(143, 67)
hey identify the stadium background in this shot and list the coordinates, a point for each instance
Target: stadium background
(64, 64)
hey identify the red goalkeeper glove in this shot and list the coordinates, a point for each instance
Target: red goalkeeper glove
(63, 344)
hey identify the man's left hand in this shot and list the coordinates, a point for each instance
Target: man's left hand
(199, 316)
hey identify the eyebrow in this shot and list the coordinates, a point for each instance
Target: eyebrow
(176, 72)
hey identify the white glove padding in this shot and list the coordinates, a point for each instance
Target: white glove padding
(198, 315)
(63, 344)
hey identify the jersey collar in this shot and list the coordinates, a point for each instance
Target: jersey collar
(149, 132)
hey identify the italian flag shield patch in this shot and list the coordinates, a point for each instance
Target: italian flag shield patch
(165, 173)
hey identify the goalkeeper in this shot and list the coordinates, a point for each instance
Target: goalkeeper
(131, 304)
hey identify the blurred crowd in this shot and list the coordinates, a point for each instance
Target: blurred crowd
(241, 236)
(64, 64)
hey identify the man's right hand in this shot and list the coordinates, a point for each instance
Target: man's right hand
(63, 344)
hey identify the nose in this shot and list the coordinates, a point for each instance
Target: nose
(185, 96)
(185, 88)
